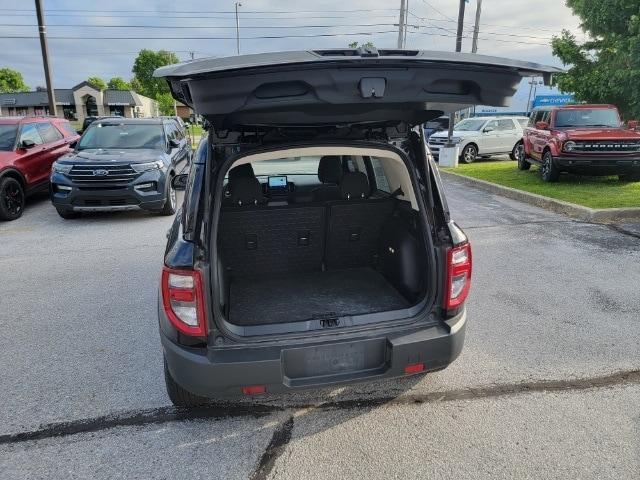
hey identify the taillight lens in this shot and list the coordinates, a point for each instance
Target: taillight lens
(182, 299)
(458, 276)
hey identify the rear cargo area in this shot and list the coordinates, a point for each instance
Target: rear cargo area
(319, 261)
(311, 295)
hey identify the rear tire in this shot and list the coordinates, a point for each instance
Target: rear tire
(178, 395)
(11, 199)
(629, 177)
(548, 170)
(67, 214)
(469, 153)
(171, 199)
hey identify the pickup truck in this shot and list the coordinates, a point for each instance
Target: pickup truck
(581, 139)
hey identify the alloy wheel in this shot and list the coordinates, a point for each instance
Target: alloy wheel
(12, 198)
(469, 154)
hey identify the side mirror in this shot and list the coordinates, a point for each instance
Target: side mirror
(542, 125)
(179, 182)
(632, 124)
(487, 129)
(27, 144)
(173, 143)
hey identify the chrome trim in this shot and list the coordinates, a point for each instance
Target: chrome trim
(114, 208)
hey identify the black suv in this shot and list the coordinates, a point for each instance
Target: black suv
(314, 246)
(121, 164)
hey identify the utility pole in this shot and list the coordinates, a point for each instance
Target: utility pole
(402, 23)
(452, 116)
(42, 28)
(238, 4)
(192, 54)
(460, 25)
(476, 27)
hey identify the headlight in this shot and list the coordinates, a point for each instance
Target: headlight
(61, 167)
(569, 146)
(456, 139)
(144, 167)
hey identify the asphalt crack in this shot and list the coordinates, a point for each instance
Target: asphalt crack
(283, 434)
(279, 441)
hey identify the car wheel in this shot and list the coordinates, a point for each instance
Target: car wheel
(171, 198)
(67, 214)
(517, 152)
(178, 395)
(11, 199)
(629, 177)
(521, 157)
(469, 154)
(548, 170)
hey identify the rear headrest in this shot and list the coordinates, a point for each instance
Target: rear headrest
(330, 169)
(354, 185)
(241, 171)
(246, 191)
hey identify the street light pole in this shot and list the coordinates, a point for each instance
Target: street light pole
(42, 28)
(402, 23)
(238, 4)
(476, 27)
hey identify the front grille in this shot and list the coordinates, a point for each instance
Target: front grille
(95, 174)
(105, 202)
(437, 140)
(607, 146)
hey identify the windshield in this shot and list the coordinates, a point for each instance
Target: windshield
(122, 136)
(469, 125)
(582, 117)
(8, 137)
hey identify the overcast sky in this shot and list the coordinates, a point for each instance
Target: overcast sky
(511, 28)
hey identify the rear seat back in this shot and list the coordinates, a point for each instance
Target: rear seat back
(269, 240)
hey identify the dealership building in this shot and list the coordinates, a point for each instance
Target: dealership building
(79, 102)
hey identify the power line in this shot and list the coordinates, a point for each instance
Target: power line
(199, 26)
(200, 11)
(177, 16)
(204, 38)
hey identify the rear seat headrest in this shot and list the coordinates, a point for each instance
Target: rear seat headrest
(241, 171)
(330, 169)
(246, 191)
(354, 185)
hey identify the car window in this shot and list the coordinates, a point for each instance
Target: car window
(533, 118)
(506, 124)
(67, 129)
(546, 116)
(48, 132)
(30, 132)
(123, 135)
(8, 137)
(492, 124)
(378, 172)
(586, 117)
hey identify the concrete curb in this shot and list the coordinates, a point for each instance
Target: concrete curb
(602, 215)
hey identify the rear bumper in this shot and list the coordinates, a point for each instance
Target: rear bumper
(217, 373)
(609, 165)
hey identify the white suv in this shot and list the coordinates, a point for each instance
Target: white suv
(483, 136)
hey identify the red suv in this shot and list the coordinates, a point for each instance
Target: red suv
(28, 147)
(582, 139)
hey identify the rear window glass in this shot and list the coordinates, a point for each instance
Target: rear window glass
(8, 137)
(287, 166)
(48, 133)
(381, 178)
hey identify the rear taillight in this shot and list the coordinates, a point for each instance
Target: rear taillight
(458, 276)
(182, 299)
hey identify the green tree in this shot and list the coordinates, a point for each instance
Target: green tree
(143, 67)
(97, 83)
(134, 84)
(118, 83)
(11, 81)
(165, 104)
(606, 68)
(365, 45)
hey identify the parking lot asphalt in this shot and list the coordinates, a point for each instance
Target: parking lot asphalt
(547, 386)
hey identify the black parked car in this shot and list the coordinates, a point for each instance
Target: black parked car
(121, 164)
(315, 245)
